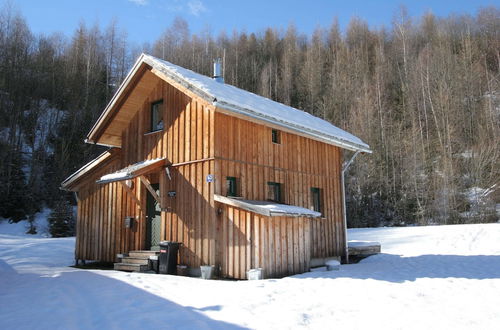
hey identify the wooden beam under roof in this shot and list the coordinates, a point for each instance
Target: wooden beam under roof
(149, 187)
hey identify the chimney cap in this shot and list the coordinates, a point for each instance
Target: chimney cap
(218, 71)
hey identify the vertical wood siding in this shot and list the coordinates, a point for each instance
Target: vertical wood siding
(101, 212)
(198, 141)
(281, 245)
(188, 217)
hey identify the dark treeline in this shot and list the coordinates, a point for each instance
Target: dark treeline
(424, 93)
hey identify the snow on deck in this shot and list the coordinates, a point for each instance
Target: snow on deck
(362, 243)
(238, 100)
(442, 277)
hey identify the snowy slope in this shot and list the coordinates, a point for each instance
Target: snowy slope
(445, 277)
(21, 227)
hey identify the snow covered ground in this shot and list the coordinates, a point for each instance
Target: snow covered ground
(442, 277)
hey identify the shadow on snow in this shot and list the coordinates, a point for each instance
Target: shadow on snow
(83, 299)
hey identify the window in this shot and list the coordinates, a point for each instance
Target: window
(316, 199)
(157, 116)
(274, 192)
(231, 186)
(276, 136)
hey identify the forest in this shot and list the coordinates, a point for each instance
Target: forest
(424, 93)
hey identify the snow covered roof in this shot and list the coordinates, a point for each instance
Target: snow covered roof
(132, 171)
(73, 178)
(266, 208)
(235, 101)
(242, 102)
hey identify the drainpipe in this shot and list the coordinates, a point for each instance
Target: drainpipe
(345, 167)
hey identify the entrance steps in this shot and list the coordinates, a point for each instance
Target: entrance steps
(135, 261)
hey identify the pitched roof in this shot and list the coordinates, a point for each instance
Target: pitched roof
(69, 182)
(236, 101)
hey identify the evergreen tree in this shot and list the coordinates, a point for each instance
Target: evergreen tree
(61, 219)
(12, 185)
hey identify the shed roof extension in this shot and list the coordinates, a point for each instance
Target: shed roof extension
(267, 208)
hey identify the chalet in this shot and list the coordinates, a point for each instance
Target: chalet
(241, 181)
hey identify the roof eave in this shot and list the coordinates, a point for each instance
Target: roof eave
(68, 183)
(295, 128)
(94, 134)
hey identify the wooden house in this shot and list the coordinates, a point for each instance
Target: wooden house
(241, 181)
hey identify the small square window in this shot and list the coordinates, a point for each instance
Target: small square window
(276, 136)
(231, 186)
(274, 192)
(157, 116)
(316, 199)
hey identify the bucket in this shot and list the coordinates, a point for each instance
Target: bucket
(207, 272)
(332, 265)
(254, 274)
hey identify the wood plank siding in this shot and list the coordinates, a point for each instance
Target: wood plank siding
(189, 217)
(198, 140)
(280, 245)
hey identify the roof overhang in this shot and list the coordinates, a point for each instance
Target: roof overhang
(234, 110)
(269, 209)
(70, 183)
(133, 170)
(126, 102)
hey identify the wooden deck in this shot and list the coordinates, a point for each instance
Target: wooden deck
(362, 249)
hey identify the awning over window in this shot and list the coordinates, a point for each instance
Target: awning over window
(133, 170)
(266, 208)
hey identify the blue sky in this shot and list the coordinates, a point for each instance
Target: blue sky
(144, 20)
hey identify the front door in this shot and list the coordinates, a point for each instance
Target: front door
(153, 220)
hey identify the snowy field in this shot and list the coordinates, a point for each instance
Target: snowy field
(445, 277)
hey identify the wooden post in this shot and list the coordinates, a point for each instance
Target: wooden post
(344, 169)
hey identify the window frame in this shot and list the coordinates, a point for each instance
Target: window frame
(231, 181)
(275, 136)
(152, 128)
(316, 196)
(277, 191)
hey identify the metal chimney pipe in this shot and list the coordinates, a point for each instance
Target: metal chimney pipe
(217, 71)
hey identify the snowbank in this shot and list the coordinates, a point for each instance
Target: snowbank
(442, 277)
(20, 228)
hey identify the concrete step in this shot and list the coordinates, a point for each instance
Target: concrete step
(132, 260)
(142, 253)
(131, 267)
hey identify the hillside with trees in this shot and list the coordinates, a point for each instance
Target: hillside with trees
(424, 93)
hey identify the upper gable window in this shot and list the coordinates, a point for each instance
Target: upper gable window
(157, 116)
(276, 136)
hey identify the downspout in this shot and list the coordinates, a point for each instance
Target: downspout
(345, 167)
